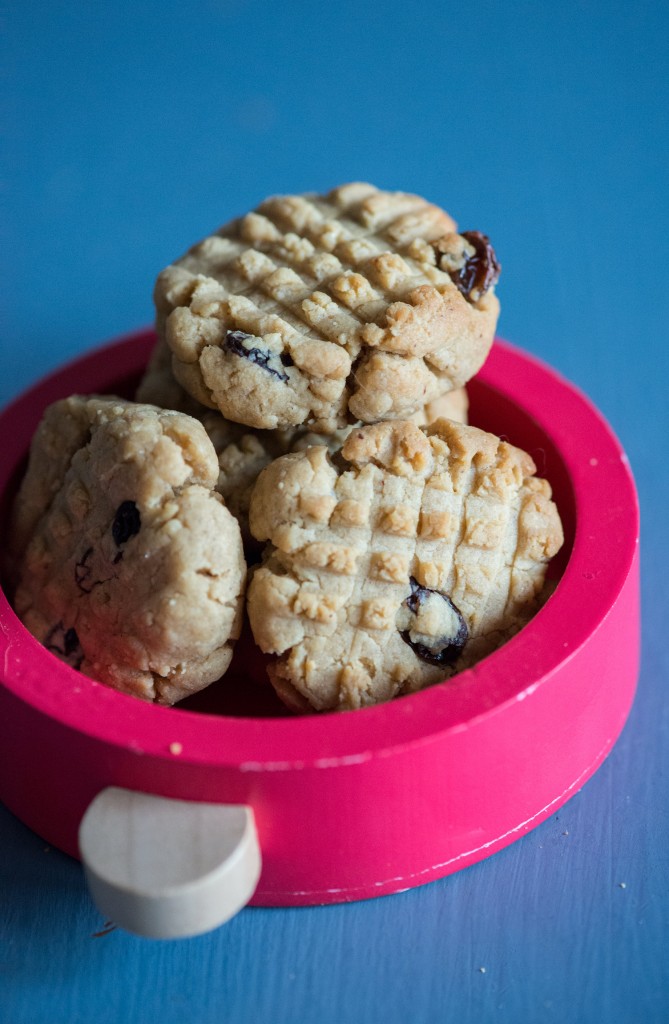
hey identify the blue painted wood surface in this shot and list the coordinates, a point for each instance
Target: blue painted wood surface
(131, 131)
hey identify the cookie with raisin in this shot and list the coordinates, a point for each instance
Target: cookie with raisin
(127, 563)
(244, 451)
(395, 564)
(241, 451)
(325, 310)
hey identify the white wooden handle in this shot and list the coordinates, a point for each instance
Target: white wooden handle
(167, 868)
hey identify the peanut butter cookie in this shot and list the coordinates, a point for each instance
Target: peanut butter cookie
(128, 564)
(359, 305)
(398, 562)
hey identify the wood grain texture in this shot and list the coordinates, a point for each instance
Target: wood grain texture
(544, 126)
(168, 869)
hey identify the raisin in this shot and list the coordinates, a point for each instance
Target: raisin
(234, 342)
(127, 522)
(70, 641)
(480, 270)
(443, 649)
(83, 573)
(65, 643)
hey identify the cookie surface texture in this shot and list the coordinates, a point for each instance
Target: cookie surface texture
(359, 305)
(130, 567)
(244, 451)
(407, 558)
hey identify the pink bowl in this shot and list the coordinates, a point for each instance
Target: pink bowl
(361, 803)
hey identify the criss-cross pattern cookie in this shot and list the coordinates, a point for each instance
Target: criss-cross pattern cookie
(244, 451)
(401, 561)
(359, 305)
(129, 566)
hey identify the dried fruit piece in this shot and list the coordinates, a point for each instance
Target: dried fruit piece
(480, 270)
(432, 626)
(65, 643)
(83, 571)
(127, 522)
(235, 343)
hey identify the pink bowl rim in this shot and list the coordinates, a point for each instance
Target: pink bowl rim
(604, 549)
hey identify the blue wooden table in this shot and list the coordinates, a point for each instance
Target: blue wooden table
(131, 130)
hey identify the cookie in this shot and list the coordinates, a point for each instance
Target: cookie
(359, 305)
(242, 451)
(129, 566)
(397, 563)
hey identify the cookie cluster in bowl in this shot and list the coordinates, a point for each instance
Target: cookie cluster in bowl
(297, 452)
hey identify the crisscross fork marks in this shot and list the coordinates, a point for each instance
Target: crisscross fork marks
(449, 505)
(348, 286)
(383, 580)
(317, 270)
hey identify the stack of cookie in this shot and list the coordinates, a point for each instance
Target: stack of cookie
(304, 413)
